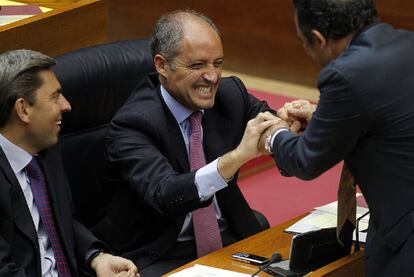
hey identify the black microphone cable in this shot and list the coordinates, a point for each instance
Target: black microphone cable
(275, 258)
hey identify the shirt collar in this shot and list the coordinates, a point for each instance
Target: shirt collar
(180, 112)
(17, 157)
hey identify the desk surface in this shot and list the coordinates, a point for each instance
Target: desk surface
(265, 244)
(72, 24)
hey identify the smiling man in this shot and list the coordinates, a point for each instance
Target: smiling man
(174, 149)
(38, 236)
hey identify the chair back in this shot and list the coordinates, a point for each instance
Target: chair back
(96, 81)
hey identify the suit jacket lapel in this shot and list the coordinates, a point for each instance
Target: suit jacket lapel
(216, 142)
(22, 216)
(176, 145)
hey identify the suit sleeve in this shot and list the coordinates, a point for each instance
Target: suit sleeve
(7, 266)
(334, 130)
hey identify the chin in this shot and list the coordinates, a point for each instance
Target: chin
(207, 105)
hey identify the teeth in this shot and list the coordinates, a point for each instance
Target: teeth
(59, 122)
(203, 90)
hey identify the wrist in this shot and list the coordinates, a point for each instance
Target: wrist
(228, 164)
(268, 143)
(240, 157)
(92, 261)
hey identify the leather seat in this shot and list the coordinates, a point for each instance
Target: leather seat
(96, 81)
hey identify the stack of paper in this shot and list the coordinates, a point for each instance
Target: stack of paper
(325, 217)
(11, 11)
(207, 271)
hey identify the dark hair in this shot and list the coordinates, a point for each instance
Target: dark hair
(169, 30)
(19, 78)
(334, 19)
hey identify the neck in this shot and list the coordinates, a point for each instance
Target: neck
(16, 136)
(338, 46)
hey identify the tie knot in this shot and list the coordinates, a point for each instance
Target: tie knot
(33, 168)
(195, 121)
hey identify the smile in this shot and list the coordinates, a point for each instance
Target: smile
(204, 91)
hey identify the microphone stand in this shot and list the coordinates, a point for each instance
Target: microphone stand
(356, 247)
(275, 258)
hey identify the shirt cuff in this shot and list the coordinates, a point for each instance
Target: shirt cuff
(277, 133)
(208, 181)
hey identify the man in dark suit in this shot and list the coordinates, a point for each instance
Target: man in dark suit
(150, 149)
(38, 236)
(365, 116)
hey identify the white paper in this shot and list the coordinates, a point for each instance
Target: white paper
(325, 217)
(207, 271)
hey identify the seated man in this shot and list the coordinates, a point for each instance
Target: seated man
(38, 236)
(174, 149)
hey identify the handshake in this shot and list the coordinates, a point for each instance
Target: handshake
(293, 116)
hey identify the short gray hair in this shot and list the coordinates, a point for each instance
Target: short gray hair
(19, 78)
(169, 31)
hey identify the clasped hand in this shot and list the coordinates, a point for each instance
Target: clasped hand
(293, 115)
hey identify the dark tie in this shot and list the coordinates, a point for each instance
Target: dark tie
(206, 229)
(346, 206)
(41, 199)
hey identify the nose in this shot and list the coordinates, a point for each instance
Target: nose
(65, 105)
(212, 74)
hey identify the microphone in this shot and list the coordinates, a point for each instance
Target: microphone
(275, 258)
(356, 245)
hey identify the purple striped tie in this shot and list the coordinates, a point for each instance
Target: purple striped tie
(41, 199)
(206, 229)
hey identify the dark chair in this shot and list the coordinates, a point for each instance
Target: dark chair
(96, 81)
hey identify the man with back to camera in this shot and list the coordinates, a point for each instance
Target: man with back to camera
(174, 149)
(38, 236)
(365, 116)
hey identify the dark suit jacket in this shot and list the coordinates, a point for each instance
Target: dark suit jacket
(19, 248)
(148, 167)
(365, 116)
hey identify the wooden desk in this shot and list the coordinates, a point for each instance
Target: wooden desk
(71, 25)
(268, 242)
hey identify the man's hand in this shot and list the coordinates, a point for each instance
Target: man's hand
(254, 130)
(295, 126)
(107, 265)
(247, 149)
(297, 111)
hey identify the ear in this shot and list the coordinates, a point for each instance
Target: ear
(23, 110)
(318, 38)
(161, 65)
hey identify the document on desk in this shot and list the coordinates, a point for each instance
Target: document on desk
(325, 217)
(12, 11)
(207, 271)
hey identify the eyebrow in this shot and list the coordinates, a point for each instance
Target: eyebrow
(58, 91)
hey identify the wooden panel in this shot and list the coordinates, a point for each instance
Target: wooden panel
(54, 4)
(72, 25)
(259, 36)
